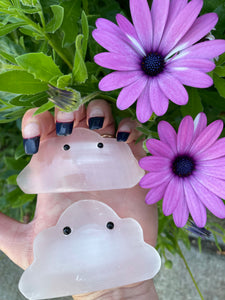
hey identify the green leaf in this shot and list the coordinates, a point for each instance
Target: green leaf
(12, 179)
(40, 65)
(220, 71)
(21, 82)
(21, 199)
(56, 21)
(219, 84)
(64, 81)
(80, 74)
(85, 31)
(44, 107)
(5, 29)
(30, 2)
(8, 57)
(19, 151)
(72, 11)
(194, 105)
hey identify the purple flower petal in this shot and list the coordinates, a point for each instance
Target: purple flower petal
(215, 151)
(159, 148)
(207, 137)
(152, 180)
(143, 108)
(108, 26)
(195, 206)
(200, 28)
(211, 201)
(112, 43)
(156, 193)
(205, 50)
(181, 212)
(142, 20)
(200, 123)
(179, 27)
(117, 62)
(155, 163)
(118, 79)
(130, 32)
(215, 185)
(217, 171)
(173, 89)
(172, 195)
(159, 102)
(203, 65)
(159, 12)
(192, 77)
(167, 134)
(129, 94)
(185, 134)
(175, 7)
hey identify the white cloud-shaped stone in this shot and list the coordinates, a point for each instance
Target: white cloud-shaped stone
(92, 163)
(91, 257)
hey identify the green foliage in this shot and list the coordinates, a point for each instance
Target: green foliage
(55, 23)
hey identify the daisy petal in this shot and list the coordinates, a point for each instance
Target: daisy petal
(215, 151)
(156, 193)
(143, 108)
(185, 134)
(130, 32)
(154, 163)
(207, 137)
(172, 196)
(108, 26)
(112, 42)
(159, 102)
(142, 20)
(130, 93)
(195, 206)
(173, 89)
(192, 77)
(167, 134)
(200, 123)
(151, 180)
(175, 7)
(159, 148)
(181, 212)
(211, 201)
(117, 62)
(203, 65)
(215, 185)
(159, 12)
(179, 28)
(217, 171)
(200, 28)
(117, 80)
(205, 50)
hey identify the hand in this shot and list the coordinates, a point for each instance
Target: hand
(16, 239)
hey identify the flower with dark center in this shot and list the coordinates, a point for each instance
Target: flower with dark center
(156, 55)
(187, 170)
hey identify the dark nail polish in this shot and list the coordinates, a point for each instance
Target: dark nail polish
(64, 128)
(96, 122)
(31, 145)
(122, 136)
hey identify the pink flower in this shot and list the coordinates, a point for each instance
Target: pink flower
(158, 54)
(187, 170)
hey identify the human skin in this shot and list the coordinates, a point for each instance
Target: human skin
(16, 239)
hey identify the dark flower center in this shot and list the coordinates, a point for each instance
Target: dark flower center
(183, 166)
(152, 64)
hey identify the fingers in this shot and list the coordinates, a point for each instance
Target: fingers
(35, 128)
(127, 131)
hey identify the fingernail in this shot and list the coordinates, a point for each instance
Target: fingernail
(31, 145)
(31, 138)
(64, 123)
(96, 122)
(64, 128)
(122, 136)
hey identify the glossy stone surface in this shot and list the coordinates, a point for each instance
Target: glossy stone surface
(92, 257)
(83, 166)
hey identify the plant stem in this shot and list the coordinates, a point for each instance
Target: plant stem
(189, 271)
(90, 97)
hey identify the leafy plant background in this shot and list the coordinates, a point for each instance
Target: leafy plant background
(49, 42)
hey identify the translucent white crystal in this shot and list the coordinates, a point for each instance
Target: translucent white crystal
(85, 166)
(92, 257)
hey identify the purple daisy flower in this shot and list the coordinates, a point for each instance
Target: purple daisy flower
(158, 54)
(187, 170)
